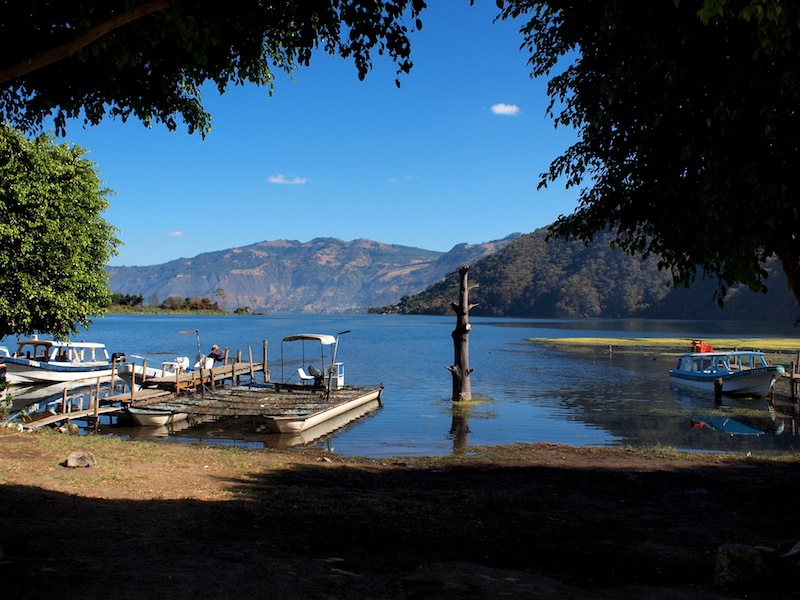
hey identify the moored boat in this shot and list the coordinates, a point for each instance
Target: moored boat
(50, 361)
(309, 435)
(333, 397)
(141, 372)
(159, 415)
(312, 415)
(733, 373)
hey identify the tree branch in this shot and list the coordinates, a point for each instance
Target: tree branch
(42, 59)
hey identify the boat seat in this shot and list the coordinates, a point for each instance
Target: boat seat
(304, 376)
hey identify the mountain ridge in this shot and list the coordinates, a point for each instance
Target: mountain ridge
(540, 278)
(321, 275)
(522, 275)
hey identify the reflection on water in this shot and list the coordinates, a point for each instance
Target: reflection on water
(459, 428)
(528, 392)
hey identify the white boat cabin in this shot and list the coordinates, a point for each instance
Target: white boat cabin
(75, 353)
(721, 362)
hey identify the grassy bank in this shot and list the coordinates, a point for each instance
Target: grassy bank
(668, 345)
(161, 470)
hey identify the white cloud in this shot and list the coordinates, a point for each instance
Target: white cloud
(174, 233)
(283, 180)
(508, 110)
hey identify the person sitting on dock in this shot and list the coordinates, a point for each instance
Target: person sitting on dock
(216, 354)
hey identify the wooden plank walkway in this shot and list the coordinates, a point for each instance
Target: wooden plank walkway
(247, 401)
(110, 404)
(792, 376)
(192, 380)
(793, 380)
(68, 416)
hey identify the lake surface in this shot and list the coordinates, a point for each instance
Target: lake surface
(525, 392)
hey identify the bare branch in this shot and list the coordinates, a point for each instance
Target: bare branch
(62, 51)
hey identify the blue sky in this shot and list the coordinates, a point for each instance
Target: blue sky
(452, 156)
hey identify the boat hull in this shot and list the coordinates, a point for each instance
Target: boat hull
(24, 371)
(309, 435)
(157, 417)
(297, 424)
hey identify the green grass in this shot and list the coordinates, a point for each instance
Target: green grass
(671, 344)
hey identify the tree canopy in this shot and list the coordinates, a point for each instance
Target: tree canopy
(689, 128)
(55, 243)
(149, 58)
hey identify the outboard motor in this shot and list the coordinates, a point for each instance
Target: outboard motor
(118, 357)
(316, 374)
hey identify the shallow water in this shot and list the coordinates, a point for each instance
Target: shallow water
(525, 392)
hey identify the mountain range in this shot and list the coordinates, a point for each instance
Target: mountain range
(322, 275)
(518, 276)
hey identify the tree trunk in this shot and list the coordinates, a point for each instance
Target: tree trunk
(791, 270)
(460, 370)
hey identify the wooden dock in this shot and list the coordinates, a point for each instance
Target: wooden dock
(792, 377)
(151, 390)
(294, 407)
(107, 405)
(192, 381)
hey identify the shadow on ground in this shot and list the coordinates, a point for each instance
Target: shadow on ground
(324, 530)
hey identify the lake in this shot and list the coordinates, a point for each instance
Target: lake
(524, 392)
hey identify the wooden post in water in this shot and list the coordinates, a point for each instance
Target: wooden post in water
(264, 367)
(250, 356)
(462, 389)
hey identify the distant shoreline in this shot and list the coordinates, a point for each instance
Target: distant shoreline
(125, 310)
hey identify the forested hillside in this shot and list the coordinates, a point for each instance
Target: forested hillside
(532, 277)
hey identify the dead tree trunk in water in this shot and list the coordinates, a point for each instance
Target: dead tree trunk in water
(462, 390)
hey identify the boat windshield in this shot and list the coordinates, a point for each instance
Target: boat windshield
(748, 361)
(34, 350)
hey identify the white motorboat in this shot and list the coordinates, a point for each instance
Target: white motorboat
(141, 372)
(50, 361)
(733, 373)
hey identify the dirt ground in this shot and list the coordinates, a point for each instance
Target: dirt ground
(168, 520)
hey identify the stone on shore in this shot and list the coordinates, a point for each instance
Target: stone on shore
(80, 458)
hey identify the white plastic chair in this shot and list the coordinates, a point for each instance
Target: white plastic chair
(304, 376)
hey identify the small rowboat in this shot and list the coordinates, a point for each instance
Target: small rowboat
(158, 415)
